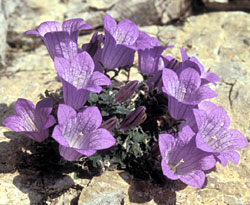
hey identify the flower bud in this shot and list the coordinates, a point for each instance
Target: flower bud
(134, 118)
(126, 91)
(109, 124)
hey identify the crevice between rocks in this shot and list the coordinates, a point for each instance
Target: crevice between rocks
(230, 91)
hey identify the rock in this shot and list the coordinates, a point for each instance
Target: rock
(227, 4)
(108, 189)
(101, 4)
(3, 32)
(171, 10)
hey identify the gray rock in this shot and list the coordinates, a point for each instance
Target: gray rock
(3, 32)
(108, 189)
(170, 10)
(227, 4)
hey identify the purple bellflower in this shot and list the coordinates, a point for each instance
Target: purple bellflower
(186, 87)
(94, 49)
(30, 120)
(79, 78)
(145, 41)
(149, 59)
(151, 63)
(119, 44)
(182, 160)
(192, 62)
(182, 112)
(214, 135)
(79, 133)
(60, 40)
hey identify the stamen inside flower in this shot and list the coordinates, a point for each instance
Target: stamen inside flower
(32, 124)
(213, 138)
(79, 77)
(80, 134)
(173, 168)
(122, 37)
(183, 95)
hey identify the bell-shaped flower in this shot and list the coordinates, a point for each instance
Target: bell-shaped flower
(32, 121)
(214, 135)
(182, 160)
(79, 78)
(94, 49)
(60, 40)
(151, 63)
(183, 113)
(185, 87)
(149, 59)
(79, 133)
(145, 41)
(119, 44)
(192, 62)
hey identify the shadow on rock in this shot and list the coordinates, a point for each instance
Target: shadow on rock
(143, 191)
(43, 174)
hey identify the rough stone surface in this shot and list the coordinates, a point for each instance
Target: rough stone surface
(3, 32)
(227, 4)
(108, 189)
(219, 40)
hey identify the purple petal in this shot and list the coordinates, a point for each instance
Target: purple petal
(233, 156)
(166, 143)
(184, 55)
(96, 81)
(167, 171)
(113, 55)
(200, 94)
(58, 136)
(208, 107)
(149, 59)
(72, 26)
(24, 107)
(69, 153)
(145, 41)
(99, 139)
(207, 162)
(81, 69)
(202, 144)
(213, 123)
(126, 32)
(59, 44)
(73, 97)
(13, 123)
(171, 83)
(50, 122)
(195, 179)
(90, 119)
(229, 140)
(64, 113)
(209, 77)
(32, 32)
(87, 152)
(109, 23)
(190, 81)
(62, 66)
(49, 26)
(186, 134)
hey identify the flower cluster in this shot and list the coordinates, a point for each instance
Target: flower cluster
(202, 136)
